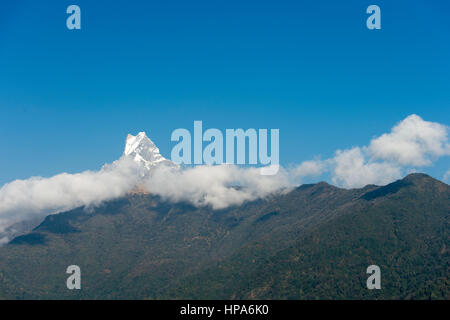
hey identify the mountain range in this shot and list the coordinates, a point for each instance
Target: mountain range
(310, 242)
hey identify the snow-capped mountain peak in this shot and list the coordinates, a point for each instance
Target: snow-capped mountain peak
(142, 150)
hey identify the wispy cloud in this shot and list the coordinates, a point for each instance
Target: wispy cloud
(447, 177)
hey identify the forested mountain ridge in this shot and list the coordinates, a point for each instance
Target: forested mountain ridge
(313, 242)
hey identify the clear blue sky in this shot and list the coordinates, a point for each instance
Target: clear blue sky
(310, 68)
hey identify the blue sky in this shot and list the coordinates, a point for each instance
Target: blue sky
(310, 68)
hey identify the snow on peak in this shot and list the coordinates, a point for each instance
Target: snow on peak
(138, 142)
(142, 150)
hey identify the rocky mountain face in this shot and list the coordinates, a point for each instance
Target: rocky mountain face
(143, 151)
(313, 242)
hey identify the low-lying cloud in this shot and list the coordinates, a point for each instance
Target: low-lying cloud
(37, 197)
(218, 186)
(411, 143)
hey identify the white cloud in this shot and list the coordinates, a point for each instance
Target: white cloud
(218, 186)
(447, 177)
(310, 168)
(4, 240)
(413, 141)
(21, 200)
(352, 170)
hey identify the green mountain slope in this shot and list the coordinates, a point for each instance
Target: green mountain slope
(403, 228)
(313, 242)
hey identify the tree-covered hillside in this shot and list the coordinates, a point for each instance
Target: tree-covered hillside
(314, 242)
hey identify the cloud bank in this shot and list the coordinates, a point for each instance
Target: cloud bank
(37, 197)
(412, 143)
(218, 186)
